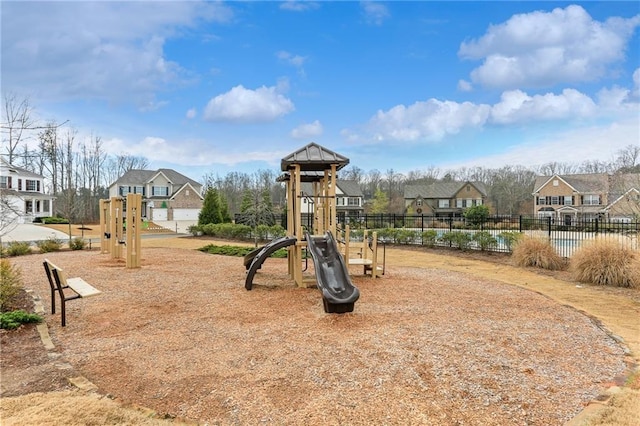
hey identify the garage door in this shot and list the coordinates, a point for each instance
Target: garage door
(186, 214)
(159, 214)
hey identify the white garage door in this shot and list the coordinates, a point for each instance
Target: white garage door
(159, 214)
(186, 214)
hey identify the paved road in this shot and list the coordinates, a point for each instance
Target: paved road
(31, 232)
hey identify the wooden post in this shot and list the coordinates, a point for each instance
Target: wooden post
(105, 229)
(115, 225)
(134, 210)
(374, 256)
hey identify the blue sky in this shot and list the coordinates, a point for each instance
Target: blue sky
(211, 87)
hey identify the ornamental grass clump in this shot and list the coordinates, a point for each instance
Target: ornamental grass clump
(606, 263)
(537, 252)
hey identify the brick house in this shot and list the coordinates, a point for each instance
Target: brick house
(567, 198)
(166, 194)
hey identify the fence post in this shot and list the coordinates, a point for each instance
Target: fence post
(520, 224)
(549, 226)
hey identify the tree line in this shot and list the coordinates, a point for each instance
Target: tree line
(78, 172)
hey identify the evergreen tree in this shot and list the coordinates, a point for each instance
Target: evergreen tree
(211, 212)
(380, 202)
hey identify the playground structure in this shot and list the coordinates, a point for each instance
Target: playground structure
(363, 252)
(120, 223)
(319, 166)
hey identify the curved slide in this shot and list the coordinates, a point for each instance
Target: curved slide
(332, 275)
(258, 256)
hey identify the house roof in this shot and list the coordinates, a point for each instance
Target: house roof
(595, 183)
(19, 170)
(313, 157)
(440, 189)
(141, 177)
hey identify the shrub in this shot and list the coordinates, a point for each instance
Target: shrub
(12, 320)
(10, 283)
(77, 244)
(476, 215)
(49, 245)
(54, 220)
(510, 238)
(18, 248)
(537, 252)
(484, 240)
(277, 231)
(430, 237)
(606, 263)
(405, 236)
(195, 230)
(458, 239)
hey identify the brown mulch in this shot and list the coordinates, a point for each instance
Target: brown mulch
(181, 336)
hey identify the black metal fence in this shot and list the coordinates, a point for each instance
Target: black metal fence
(496, 233)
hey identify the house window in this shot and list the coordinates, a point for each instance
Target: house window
(568, 200)
(542, 201)
(28, 206)
(555, 200)
(5, 182)
(124, 190)
(555, 182)
(591, 200)
(19, 184)
(478, 202)
(419, 202)
(443, 204)
(353, 201)
(31, 185)
(468, 188)
(139, 190)
(161, 191)
(459, 203)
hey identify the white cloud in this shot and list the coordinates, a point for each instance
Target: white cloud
(374, 12)
(242, 105)
(464, 86)
(517, 107)
(431, 120)
(191, 113)
(308, 130)
(295, 60)
(575, 146)
(541, 49)
(636, 82)
(102, 50)
(299, 5)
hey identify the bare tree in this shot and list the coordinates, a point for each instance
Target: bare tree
(628, 159)
(16, 119)
(10, 213)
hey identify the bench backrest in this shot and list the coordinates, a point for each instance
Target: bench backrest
(55, 275)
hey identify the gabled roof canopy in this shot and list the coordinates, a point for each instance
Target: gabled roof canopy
(314, 158)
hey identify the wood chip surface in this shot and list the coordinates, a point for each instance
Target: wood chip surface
(182, 336)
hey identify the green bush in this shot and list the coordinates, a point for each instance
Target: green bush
(537, 252)
(12, 320)
(195, 230)
(77, 244)
(606, 263)
(277, 231)
(49, 245)
(430, 237)
(10, 283)
(18, 248)
(476, 215)
(237, 251)
(54, 220)
(484, 240)
(460, 240)
(510, 238)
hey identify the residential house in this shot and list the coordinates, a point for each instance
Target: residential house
(23, 194)
(349, 198)
(567, 198)
(166, 194)
(444, 199)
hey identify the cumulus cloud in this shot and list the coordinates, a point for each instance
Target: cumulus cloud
(517, 107)
(308, 130)
(102, 50)
(541, 49)
(191, 113)
(430, 120)
(295, 60)
(464, 86)
(374, 12)
(241, 105)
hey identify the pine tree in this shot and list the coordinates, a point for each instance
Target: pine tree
(211, 212)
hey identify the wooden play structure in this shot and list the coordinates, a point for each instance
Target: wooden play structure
(120, 225)
(364, 253)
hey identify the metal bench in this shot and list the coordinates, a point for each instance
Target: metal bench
(67, 288)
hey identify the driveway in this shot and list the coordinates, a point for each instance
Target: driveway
(31, 232)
